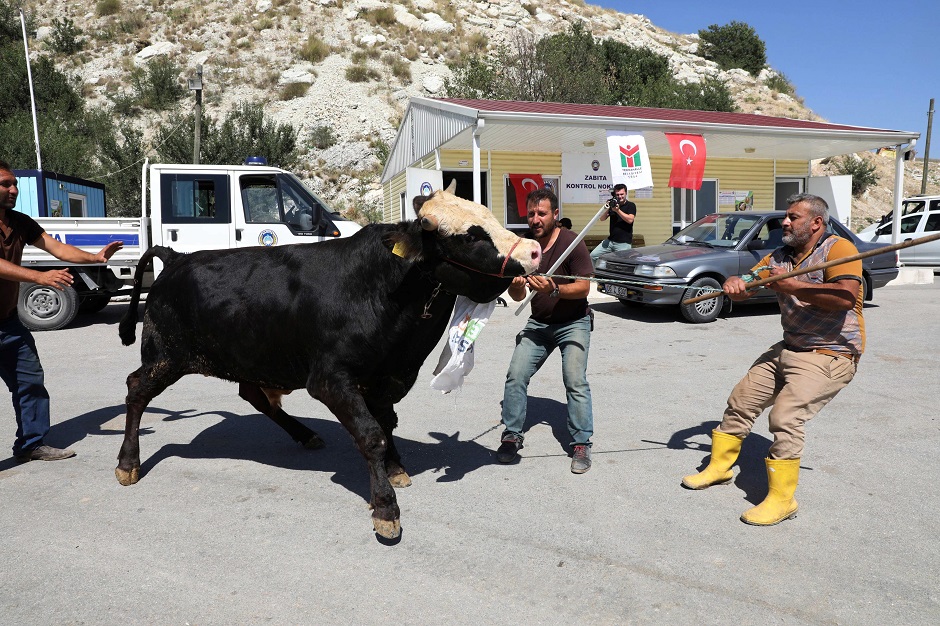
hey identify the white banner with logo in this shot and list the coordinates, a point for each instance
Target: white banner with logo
(419, 182)
(585, 178)
(629, 162)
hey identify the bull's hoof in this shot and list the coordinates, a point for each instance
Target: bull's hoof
(314, 443)
(400, 479)
(127, 478)
(389, 529)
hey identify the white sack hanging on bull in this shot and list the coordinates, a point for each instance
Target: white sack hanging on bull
(456, 358)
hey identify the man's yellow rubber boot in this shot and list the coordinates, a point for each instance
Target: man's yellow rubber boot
(725, 451)
(782, 476)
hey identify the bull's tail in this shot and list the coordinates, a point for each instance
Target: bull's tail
(127, 329)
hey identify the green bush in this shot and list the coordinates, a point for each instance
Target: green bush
(411, 51)
(477, 42)
(157, 87)
(381, 17)
(65, 36)
(401, 69)
(361, 73)
(322, 137)
(294, 90)
(735, 44)
(381, 148)
(107, 7)
(780, 83)
(861, 170)
(314, 50)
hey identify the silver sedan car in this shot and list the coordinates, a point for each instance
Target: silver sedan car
(700, 257)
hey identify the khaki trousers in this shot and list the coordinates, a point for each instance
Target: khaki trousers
(797, 384)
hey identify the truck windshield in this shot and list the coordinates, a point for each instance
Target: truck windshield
(279, 199)
(718, 229)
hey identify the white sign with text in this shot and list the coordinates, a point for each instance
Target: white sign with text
(585, 178)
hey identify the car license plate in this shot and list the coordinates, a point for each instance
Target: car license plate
(620, 292)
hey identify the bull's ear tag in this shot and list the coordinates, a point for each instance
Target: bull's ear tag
(399, 249)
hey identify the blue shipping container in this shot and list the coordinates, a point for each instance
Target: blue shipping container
(47, 194)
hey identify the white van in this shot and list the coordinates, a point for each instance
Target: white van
(920, 217)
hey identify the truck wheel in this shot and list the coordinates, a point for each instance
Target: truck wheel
(93, 303)
(706, 310)
(46, 308)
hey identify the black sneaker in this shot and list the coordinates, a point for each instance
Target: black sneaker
(509, 448)
(581, 459)
(45, 453)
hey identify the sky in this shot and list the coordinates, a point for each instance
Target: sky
(863, 63)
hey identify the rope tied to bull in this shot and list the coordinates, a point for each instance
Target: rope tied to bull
(502, 269)
(752, 278)
(815, 268)
(611, 281)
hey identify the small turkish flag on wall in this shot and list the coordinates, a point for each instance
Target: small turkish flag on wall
(688, 160)
(523, 185)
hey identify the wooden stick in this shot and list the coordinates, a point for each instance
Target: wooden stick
(564, 255)
(821, 266)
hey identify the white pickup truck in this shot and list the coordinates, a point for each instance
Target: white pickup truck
(191, 207)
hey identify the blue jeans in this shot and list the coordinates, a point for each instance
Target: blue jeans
(608, 246)
(21, 371)
(533, 345)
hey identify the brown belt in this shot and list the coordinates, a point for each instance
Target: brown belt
(844, 355)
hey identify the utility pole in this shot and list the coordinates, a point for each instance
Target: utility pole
(195, 84)
(923, 180)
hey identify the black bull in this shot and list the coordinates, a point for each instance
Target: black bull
(350, 320)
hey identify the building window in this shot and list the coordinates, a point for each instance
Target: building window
(516, 220)
(76, 205)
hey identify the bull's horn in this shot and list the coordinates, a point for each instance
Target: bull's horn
(452, 187)
(429, 223)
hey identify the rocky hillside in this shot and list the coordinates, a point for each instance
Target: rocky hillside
(255, 51)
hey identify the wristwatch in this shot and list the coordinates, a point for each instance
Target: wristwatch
(554, 293)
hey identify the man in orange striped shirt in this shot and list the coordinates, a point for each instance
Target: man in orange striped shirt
(823, 339)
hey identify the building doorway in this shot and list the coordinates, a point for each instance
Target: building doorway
(784, 188)
(464, 180)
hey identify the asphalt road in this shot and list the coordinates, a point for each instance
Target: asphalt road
(232, 523)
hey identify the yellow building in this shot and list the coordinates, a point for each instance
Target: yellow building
(755, 159)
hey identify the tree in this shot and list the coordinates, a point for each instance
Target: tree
(480, 77)
(65, 132)
(573, 67)
(861, 170)
(735, 44)
(121, 154)
(244, 132)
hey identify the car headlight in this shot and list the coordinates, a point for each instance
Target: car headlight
(601, 265)
(655, 271)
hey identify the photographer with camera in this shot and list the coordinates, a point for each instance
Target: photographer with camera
(621, 213)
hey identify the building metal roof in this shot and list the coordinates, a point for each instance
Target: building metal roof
(449, 123)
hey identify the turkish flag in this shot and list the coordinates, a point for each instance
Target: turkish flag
(523, 185)
(688, 160)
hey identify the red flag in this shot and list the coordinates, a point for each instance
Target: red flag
(523, 185)
(688, 160)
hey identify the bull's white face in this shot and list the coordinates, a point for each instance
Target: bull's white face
(468, 221)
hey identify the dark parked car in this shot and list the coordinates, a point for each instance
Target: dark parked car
(702, 255)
